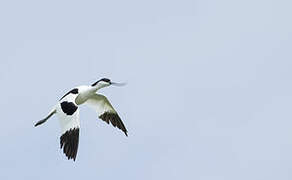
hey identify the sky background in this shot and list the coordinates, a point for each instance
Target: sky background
(209, 92)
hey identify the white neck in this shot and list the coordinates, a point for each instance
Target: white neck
(98, 86)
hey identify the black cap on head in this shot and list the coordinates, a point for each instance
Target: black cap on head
(103, 79)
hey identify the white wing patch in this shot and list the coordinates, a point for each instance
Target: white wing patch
(68, 114)
(105, 111)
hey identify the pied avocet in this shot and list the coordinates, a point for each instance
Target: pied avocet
(68, 113)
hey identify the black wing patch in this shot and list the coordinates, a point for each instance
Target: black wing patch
(73, 91)
(70, 141)
(68, 108)
(115, 121)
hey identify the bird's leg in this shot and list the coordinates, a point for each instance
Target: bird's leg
(44, 120)
(40, 122)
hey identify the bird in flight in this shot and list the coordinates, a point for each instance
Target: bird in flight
(67, 110)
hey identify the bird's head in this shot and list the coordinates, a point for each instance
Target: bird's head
(104, 82)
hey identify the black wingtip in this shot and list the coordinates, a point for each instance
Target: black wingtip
(69, 142)
(115, 121)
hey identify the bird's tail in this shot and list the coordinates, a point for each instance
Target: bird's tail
(52, 112)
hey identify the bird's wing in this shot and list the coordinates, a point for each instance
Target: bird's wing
(68, 113)
(105, 111)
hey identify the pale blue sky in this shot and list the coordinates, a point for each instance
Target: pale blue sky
(209, 92)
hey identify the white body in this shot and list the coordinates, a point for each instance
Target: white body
(85, 92)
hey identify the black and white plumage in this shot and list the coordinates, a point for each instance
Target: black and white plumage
(68, 113)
